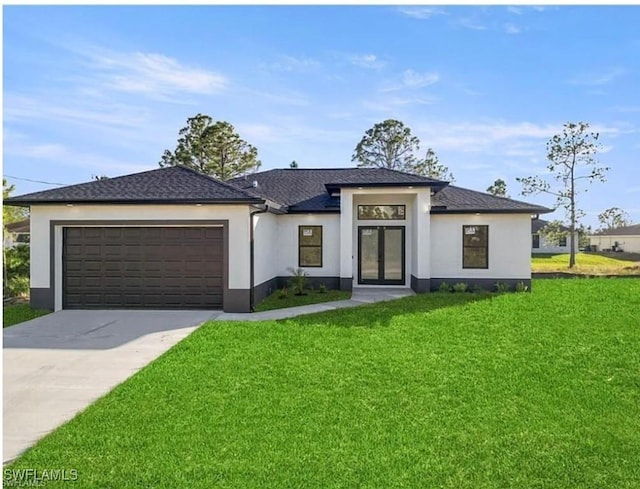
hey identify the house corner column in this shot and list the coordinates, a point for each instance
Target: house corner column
(420, 282)
(346, 240)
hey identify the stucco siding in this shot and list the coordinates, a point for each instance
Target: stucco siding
(509, 245)
(265, 247)
(630, 244)
(287, 243)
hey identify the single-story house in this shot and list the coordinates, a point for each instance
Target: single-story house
(174, 238)
(626, 238)
(17, 233)
(539, 244)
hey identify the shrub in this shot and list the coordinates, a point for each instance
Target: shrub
(460, 287)
(17, 261)
(502, 287)
(444, 287)
(521, 287)
(298, 281)
(322, 288)
(18, 286)
(283, 293)
(477, 289)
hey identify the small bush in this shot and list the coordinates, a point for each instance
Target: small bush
(477, 289)
(283, 293)
(444, 287)
(298, 281)
(17, 261)
(502, 287)
(460, 287)
(521, 287)
(322, 288)
(18, 286)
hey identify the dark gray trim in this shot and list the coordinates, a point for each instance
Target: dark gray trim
(42, 298)
(233, 297)
(419, 285)
(534, 210)
(330, 282)
(134, 201)
(237, 300)
(261, 291)
(336, 186)
(346, 283)
(485, 283)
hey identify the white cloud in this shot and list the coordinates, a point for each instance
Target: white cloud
(152, 74)
(367, 61)
(515, 10)
(421, 12)
(512, 29)
(62, 155)
(470, 23)
(293, 63)
(411, 79)
(598, 77)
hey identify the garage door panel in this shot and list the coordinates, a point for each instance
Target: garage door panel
(140, 267)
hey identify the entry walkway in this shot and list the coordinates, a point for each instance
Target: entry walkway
(359, 296)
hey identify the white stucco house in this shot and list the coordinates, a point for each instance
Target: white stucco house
(173, 238)
(625, 238)
(17, 233)
(541, 245)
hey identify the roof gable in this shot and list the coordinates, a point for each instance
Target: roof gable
(175, 184)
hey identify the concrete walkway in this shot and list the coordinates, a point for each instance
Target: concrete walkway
(56, 365)
(359, 296)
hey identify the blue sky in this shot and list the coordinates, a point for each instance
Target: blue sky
(104, 90)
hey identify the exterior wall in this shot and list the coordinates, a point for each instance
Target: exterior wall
(41, 216)
(287, 243)
(509, 246)
(630, 244)
(546, 247)
(265, 247)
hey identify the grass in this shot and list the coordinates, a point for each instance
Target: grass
(588, 263)
(537, 390)
(20, 313)
(274, 301)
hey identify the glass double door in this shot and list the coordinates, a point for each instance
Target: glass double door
(381, 259)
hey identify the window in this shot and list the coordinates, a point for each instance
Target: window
(562, 241)
(535, 240)
(381, 212)
(475, 246)
(310, 246)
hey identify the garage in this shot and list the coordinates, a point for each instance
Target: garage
(143, 267)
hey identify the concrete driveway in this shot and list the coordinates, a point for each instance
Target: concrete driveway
(56, 365)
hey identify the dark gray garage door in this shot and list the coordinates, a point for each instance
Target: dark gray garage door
(143, 267)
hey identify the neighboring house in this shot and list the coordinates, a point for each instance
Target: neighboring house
(541, 245)
(17, 233)
(625, 238)
(173, 238)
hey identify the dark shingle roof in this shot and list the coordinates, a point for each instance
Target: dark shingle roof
(309, 190)
(451, 200)
(633, 230)
(172, 185)
(538, 224)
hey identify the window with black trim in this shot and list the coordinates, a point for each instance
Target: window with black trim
(382, 212)
(535, 241)
(562, 241)
(309, 246)
(475, 246)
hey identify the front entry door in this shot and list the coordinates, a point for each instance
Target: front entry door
(381, 255)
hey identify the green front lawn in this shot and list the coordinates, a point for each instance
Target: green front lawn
(437, 390)
(275, 301)
(588, 263)
(18, 314)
